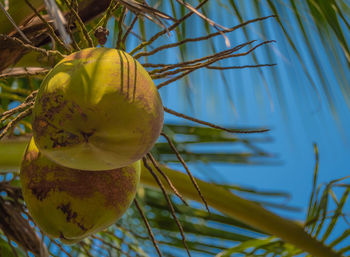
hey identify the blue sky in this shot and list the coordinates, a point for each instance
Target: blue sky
(299, 119)
(281, 98)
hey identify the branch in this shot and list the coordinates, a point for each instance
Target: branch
(201, 65)
(148, 226)
(81, 25)
(17, 41)
(196, 39)
(167, 198)
(167, 30)
(13, 122)
(240, 67)
(18, 72)
(166, 67)
(246, 131)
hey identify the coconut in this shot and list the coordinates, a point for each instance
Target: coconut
(72, 204)
(97, 109)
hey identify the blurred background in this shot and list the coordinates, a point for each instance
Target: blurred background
(296, 84)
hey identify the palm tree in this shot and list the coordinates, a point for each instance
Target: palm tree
(34, 37)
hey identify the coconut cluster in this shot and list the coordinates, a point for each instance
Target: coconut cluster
(97, 113)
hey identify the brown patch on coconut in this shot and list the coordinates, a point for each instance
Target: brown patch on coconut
(111, 184)
(71, 216)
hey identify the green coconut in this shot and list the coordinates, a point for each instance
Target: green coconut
(97, 109)
(72, 204)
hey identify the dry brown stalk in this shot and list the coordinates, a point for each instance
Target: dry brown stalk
(18, 72)
(166, 67)
(29, 101)
(52, 241)
(170, 205)
(150, 156)
(29, 47)
(9, 242)
(191, 8)
(19, 91)
(172, 146)
(129, 29)
(87, 251)
(148, 226)
(238, 131)
(135, 34)
(74, 43)
(110, 245)
(37, 32)
(133, 233)
(81, 24)
(142, 8)
(112, 6)
(4, 116)
(210, 62)
(212, 59)
(69, 29)
(164, 31)
(120, 27)
(13, 122)
(49, 27)
(167, 74)
(240, 67)
(14, 24)
(14, 225)
(196, 39)
(211, 23)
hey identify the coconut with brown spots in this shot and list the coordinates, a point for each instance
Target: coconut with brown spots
(98, 109)
(72, 204)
